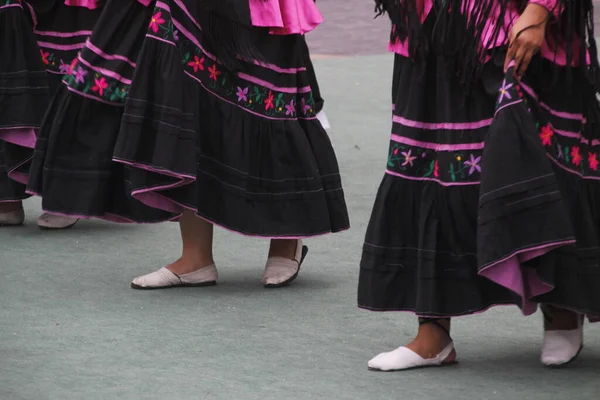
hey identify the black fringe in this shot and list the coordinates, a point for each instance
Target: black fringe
(458, 36)
(230, 32)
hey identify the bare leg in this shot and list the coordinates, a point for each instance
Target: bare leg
(10, 206)
(559, 319)
(285, 248)
(11, 213)
(431, 339)
(197, 238)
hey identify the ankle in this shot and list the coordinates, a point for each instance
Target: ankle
(186, 265)
(431, 338)
(557, 319)
(10, 206)
(284, 248)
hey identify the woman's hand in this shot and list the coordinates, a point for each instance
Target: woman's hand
(526, 37)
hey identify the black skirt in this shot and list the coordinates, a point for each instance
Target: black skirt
(440, 244)
(38, 41)
(241, 148)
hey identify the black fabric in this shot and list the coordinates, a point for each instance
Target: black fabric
(72, 168)
(252, 172)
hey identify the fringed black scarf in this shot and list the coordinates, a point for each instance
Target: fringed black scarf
(459, 37)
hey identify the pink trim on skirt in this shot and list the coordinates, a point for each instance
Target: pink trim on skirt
(285, 17)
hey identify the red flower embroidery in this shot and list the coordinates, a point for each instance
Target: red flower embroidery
(197, 64)
(156, 21)
(100, 85)
(214, 72)
(593, 161)
(575, 156)
(436, 169)
(269, 101)
(45, 57)
(546, 135)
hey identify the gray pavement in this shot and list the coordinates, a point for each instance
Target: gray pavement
(70, 327)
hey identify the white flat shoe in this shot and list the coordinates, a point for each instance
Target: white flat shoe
(281, 271)
(13, 218)
(562, 347)
(52, 221)
(403, 358)
(164, 278)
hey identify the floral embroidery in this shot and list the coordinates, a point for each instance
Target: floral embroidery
(546, 135)
(228, 85)
(45, 56)
(197, 64)
(473, 164)
(593, 161)
(408, 158)
(89, 82)
(575, 156)
(504, 91)
(156, 21)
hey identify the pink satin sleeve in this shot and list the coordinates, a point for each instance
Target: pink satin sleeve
(285, 17)
(550, 5)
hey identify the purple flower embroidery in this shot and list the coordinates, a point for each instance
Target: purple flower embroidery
(408, 158)
(176, 35)
(504, 91)
(79, 75)
(473, 163)
(64, 68)
(242, 94)
(305, 107)
(290, 109)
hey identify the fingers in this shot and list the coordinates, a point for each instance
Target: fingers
(510, 55)
(521, 52)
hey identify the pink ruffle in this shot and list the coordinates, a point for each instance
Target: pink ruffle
(93, 4)
(285, 17)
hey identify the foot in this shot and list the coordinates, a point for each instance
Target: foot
(12, 214)
(283, 265)
(56, 222)
(432, 347)
(166, 278)
(563, 336)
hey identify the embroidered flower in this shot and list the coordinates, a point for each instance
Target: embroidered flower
(197, 64)
(408, 158)
(546, 135)
(395, 151)
(79, 75)
(305, 107)
(45, 56)
(156, 21)
(242, 94)
(100, 85)
(436, 169)
(575, 156)
(214, 72)
(504, 91)
(64, 68)
(473, 164)
(269, 101)
(290, 109)
(593, 161)
(176, 35)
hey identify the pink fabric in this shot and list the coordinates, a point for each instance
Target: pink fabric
(548, 51)
(91, 4)
(285, 17)
(550, 5)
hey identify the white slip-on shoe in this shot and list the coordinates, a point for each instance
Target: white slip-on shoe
(164, 279)
(49, 221)
(281, 271)
(561, 347)
(403, 358)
